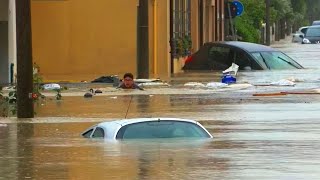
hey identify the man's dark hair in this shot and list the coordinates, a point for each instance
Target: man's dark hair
(130, 75)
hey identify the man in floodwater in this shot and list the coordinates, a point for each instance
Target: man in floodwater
(128, 82)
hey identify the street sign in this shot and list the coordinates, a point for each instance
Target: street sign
(239, 7)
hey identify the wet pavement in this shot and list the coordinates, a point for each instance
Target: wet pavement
(255, 137)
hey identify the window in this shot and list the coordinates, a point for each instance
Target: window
(162, 129)
(98, 133)
(313, 32)
(87, 134)
(275, 60)
(180, 28)
(242, 60)
(219, 58)
(181, 17)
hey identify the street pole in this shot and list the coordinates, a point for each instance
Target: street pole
(143, 40)
(24, 60)
(268, 22)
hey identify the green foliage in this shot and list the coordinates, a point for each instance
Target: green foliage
(250, 22)
(37, 81)
(183, 46)
(247, 31)
(294, 12)
(8, 104)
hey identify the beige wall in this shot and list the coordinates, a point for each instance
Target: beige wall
(194, 25)
(159, 36)
(161, 68)
(77, 40)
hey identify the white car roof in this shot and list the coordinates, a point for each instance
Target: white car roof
(112, 127)
(124, 122)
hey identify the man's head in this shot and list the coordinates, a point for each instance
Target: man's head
(128, 80)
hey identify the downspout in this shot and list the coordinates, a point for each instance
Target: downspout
(200, 23)
(155, 39)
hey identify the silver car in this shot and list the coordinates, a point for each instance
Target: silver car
(296, 37)
(147, 128)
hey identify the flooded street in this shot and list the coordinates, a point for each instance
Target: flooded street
(255, 137)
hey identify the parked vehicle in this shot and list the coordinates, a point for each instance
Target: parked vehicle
(248, 56)
(312, 35)
(296, 37)
(147, 128)
(314, 23)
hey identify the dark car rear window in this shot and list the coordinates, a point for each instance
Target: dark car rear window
(162, 129)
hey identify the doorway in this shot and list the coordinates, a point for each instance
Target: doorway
(4, 55)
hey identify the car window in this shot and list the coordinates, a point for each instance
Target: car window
(304, 30)
(260, 60)
(98, 133)
(276, 60)
(313, 32)
(219, 58)
(87, 134)
(161, 129)
(243, 61)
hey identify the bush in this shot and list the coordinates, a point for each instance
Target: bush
(247, 31)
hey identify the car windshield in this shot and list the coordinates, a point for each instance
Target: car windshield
(275, 60)
(162, 129)
(313, 32)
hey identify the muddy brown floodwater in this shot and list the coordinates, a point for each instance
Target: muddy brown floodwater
(273, 137)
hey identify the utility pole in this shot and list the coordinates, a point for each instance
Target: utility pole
(268, 22)
(24, 60)
(143, 40)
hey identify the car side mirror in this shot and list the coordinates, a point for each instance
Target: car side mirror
(301, 36)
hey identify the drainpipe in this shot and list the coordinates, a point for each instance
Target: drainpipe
(155, 38)
(200, 22)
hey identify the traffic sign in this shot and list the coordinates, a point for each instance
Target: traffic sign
(239, 7)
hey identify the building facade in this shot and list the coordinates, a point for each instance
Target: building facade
(76, 40)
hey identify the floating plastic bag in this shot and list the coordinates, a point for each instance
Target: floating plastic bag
(216, 85)
(283, 82)
(194, 84)
(233, 68)
(228, 79)
(51, 86)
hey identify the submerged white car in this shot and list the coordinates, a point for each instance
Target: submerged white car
(298, 36)
(147, 128)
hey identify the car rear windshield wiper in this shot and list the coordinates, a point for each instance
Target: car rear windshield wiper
(265, 62)
(294, 65)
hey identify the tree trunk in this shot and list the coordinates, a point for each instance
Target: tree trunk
(24, 60)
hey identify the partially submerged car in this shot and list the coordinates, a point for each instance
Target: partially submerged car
(314, 23)
(248, 56)
(296, 37)
(147, 128)
(312, 35)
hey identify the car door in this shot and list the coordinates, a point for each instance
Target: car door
(244, 61)
(219, 57)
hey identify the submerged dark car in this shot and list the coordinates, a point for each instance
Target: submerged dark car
(248, 56)
(312, 35)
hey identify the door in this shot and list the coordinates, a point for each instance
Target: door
(4, 55)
